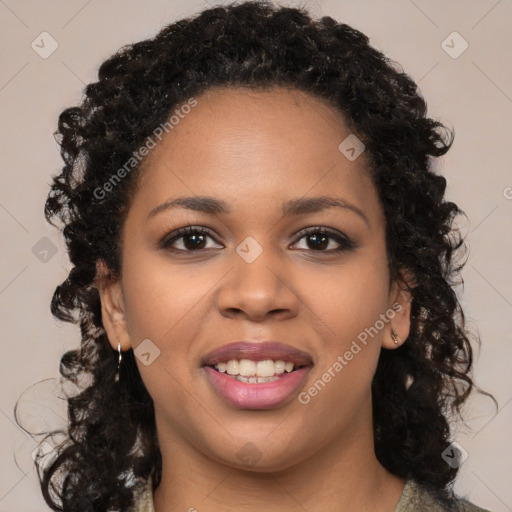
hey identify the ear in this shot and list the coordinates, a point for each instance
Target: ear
(398, 312)
(112, 307)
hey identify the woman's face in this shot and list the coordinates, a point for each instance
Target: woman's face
(252, 274)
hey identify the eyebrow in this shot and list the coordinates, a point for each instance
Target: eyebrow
(299, 206)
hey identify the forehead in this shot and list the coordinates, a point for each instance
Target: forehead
(243, 119)
(238, 142)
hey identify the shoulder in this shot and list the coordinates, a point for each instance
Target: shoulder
(416, 498)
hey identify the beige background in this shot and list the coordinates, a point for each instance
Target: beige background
(472, 93)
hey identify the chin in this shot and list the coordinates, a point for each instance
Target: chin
(251, 458)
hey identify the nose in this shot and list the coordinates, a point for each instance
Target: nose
(258, 290)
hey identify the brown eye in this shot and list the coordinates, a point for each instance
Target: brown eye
(319, 239)
(191, 238)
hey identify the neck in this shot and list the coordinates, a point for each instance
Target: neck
(344, 475)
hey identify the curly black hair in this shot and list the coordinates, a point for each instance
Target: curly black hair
(256, 45)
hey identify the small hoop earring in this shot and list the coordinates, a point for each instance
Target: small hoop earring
(118, 362)
(394, 335)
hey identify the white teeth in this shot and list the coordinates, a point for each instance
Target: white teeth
(265, 368)
(279, 366)
(232, 367)
(249, 368)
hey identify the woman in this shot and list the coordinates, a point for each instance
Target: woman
(262, 272)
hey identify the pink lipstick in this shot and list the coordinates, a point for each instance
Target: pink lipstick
(257, 375)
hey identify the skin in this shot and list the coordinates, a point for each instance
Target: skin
(256, 150)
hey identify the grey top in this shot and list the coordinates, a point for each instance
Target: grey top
(416, 499)
(413, 499)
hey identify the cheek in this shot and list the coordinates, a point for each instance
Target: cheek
(164, 305)
(348, 299)
(350, 306)
(159, 295)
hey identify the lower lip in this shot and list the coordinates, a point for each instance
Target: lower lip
(267, 395)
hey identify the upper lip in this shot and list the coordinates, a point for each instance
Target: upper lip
(258, 351)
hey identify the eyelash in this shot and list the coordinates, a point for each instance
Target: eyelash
(345, 243)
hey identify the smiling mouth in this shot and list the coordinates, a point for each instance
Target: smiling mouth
(256, 374)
